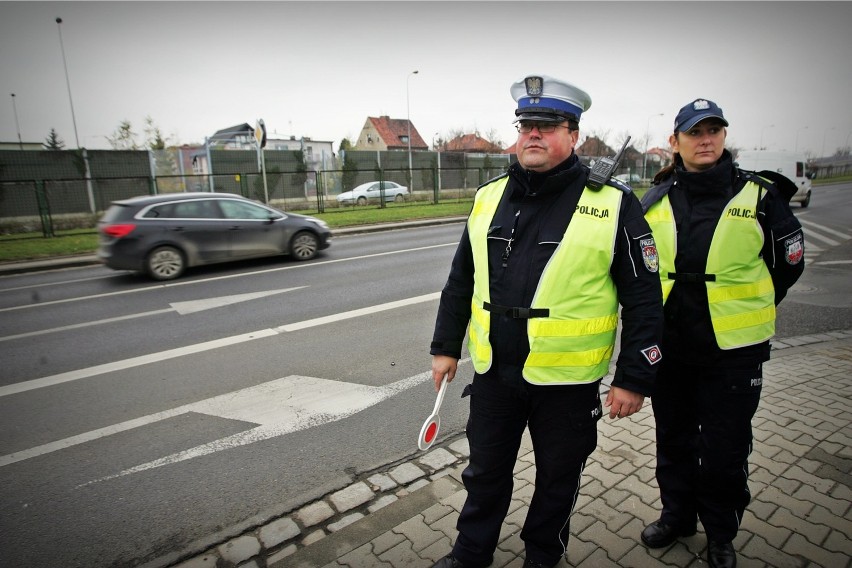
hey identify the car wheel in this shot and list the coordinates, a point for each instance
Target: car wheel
(362, 200)
(399, 198)
(304, 245)
(165, 263)
(807, 200)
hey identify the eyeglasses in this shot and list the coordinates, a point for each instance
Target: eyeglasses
(543, 127)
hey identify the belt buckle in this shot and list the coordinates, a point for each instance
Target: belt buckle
(521, 313)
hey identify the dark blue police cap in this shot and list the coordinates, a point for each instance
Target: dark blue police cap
(695, 112)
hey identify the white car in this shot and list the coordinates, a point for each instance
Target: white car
(372, 191)
(629, 179)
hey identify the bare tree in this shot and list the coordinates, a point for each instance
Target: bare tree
(123, 138)
(154, 138)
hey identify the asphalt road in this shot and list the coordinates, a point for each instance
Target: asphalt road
(137, 418)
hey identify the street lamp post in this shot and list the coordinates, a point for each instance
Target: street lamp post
(762, 130)
(797, 136)
(647, 143)
(17, 126)
(67, 81)
(408, 120)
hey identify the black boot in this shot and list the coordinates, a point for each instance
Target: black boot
(533, 564)
(721, 555)
(659, 534)
(449, 561)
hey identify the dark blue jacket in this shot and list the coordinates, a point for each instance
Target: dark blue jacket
(534, 213)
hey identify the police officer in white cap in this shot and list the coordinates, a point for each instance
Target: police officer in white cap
(542, 266)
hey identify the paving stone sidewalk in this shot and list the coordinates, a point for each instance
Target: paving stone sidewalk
(800, 515)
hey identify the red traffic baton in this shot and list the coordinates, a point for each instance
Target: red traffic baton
(429, 431)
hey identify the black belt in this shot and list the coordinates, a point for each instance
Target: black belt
(517, 313)
(691, 277)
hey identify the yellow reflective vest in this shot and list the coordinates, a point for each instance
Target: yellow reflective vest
(740, 295)
(574, 343)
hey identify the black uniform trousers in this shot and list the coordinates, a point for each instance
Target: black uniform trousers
(704, 438)
(562, 420)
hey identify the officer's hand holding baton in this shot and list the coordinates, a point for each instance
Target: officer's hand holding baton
(443, 365)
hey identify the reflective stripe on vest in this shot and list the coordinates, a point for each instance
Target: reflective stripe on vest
(574, 344)
(742, 298)
(661, 220)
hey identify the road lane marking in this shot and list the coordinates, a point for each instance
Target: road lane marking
(825, 229)
(182, 308)
(278, 407)
(213, 279)
(78, 374)
(809, 234)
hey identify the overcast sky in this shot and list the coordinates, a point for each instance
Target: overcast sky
(780, 70)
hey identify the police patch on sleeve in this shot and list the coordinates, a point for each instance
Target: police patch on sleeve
(794, 249)
(649, 254)
(652, 354)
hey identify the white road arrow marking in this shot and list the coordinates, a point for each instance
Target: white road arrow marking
(182, 308)
(277, 407)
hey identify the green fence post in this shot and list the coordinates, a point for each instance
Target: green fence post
(320, 192)
(44, 210)
(436, 192)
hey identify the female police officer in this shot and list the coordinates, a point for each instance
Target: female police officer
(729, 248)
(541, 267)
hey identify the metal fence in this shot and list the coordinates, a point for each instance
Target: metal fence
(53, 190)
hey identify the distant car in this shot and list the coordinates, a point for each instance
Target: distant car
(630, 178)
(163, 235)
(372, 191)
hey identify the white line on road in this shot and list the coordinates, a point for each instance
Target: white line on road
(228, 277)
(182, 308)
(277, 407)
(825, 229)
(206, 346)
(809, 235)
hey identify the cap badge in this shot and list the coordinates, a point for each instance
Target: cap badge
(534, 86)
(700, 104)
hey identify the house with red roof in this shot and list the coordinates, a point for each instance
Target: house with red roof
(471, 144)
(386, 133)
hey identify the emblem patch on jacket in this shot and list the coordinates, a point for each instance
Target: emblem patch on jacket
(649, 254)
(652, 354)
(794, 249)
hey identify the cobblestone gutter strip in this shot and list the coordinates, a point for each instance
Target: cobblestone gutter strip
(333, 518)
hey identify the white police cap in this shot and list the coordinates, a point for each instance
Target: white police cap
(546, 99)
